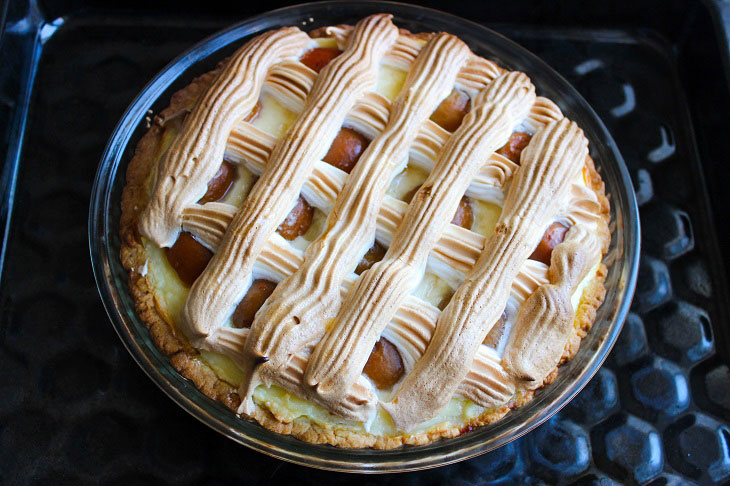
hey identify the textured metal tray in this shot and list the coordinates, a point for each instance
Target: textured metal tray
(75, 408)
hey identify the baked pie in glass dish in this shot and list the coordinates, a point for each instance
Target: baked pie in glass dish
(340, 240)
(365, 237)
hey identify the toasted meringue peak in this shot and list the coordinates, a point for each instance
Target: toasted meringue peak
(545, 320)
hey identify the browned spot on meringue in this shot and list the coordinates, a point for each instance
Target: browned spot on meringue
(409, 195)
(250, 304)
(222, 181)
(452, 110)
(254, 112)
(319, 57)
(319, 33)
(346, 149)
(495, 335)
(385, 365)
(553, 236)
(445, 301)
(464, 215)
(514, 146)
(297, 221)
(373, 256)
(188, 257)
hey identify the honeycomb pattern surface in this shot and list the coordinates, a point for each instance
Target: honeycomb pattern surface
(76, 409)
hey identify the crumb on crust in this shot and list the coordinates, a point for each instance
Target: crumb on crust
(187, 360)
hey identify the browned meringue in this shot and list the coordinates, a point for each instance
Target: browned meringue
(315, 332)
(545, 320)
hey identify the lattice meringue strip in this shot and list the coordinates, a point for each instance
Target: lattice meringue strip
(545, 321)
(280, 258)
(553, 157)
(532, 275)
(301, 306)
(411, 329)
(489, 183)
(403, 53)
(369, 115)
(225, 280)
(358, 405)
(290, 82)
(471, 77)
(458, 247)
(208, 222)
(338, 359)
(195, 155)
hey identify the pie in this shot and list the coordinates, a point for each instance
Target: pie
(365, 237)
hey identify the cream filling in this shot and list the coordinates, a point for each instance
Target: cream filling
(273, 118)
(170, 293)
(240, 188)
(389, 82)
(326, 42)
(408, 179)
(433, 289)
(486, 215)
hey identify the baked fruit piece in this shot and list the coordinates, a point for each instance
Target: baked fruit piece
(365, 237)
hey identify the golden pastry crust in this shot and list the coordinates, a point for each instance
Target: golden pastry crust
(188, 361)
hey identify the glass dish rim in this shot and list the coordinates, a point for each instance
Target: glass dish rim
(157, 366)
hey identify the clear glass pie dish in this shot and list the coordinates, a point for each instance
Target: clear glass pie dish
(112, 280)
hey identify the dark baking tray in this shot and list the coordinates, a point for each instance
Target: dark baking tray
(74, 408)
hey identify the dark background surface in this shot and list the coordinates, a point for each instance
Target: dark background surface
(74, 408)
